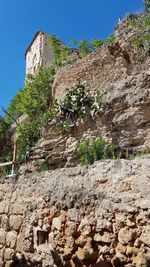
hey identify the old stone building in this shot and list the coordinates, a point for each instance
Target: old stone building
(39, 53)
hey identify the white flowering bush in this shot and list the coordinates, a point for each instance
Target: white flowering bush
(78, 103)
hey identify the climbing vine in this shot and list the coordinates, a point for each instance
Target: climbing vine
(60, 51)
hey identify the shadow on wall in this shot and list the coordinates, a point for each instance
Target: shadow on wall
(58, 262)
(21, 263)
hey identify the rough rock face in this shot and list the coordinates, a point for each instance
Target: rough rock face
(124, 83)
(105, 66)
(125, 122)
(82, 216)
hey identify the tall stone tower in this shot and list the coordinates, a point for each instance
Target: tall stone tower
(38, 53)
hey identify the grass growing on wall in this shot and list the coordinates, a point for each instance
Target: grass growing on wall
(91, 151)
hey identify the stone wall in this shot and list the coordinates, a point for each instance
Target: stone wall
(33, 55)
(47, 56)
(106, 66)
(82, 216)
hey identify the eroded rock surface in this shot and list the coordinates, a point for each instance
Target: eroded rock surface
(81, 216)
(125, 122)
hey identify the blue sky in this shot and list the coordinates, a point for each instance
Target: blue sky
(68, 19)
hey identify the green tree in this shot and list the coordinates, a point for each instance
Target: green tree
(60, 51)
(74, 42)
(36, 97)
(96, 43)
(110, 39)
(84, 48)
(5, 142)
(147, 6)
(28, 135)
(14, 108)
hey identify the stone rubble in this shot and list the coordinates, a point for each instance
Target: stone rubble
(77, 216)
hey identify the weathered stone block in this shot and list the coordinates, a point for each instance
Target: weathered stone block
(8, 253)
(11, 239)
(4, 207)
(2, 236)
(17, 208)
(56, 223)
(15, 222)
(125, 235)
(145, 236)
(106, 237)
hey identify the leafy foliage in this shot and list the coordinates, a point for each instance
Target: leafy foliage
(147, 6)
(27, 135)
(37, 94)
(77, 104)
(35, 100)
(5, 146)
(90, 152)
(110, 39)
(141, 38)
(96, 43)
(60, 51)
(141, 22)
(86, 47)
(3, 127)
(4, 138)
(14, 108)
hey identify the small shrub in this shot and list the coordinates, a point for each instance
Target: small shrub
(96, 43)
(84, 48)
(5, 138)
(7, 169)
(43, 168)
(27, 135)
(37, 97)
(60, 51)
(93, 151)
(141, 38)
(110, 39)
(147, 6)
(78, 103)
(75, 104)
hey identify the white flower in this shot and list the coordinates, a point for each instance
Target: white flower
(73, 98)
